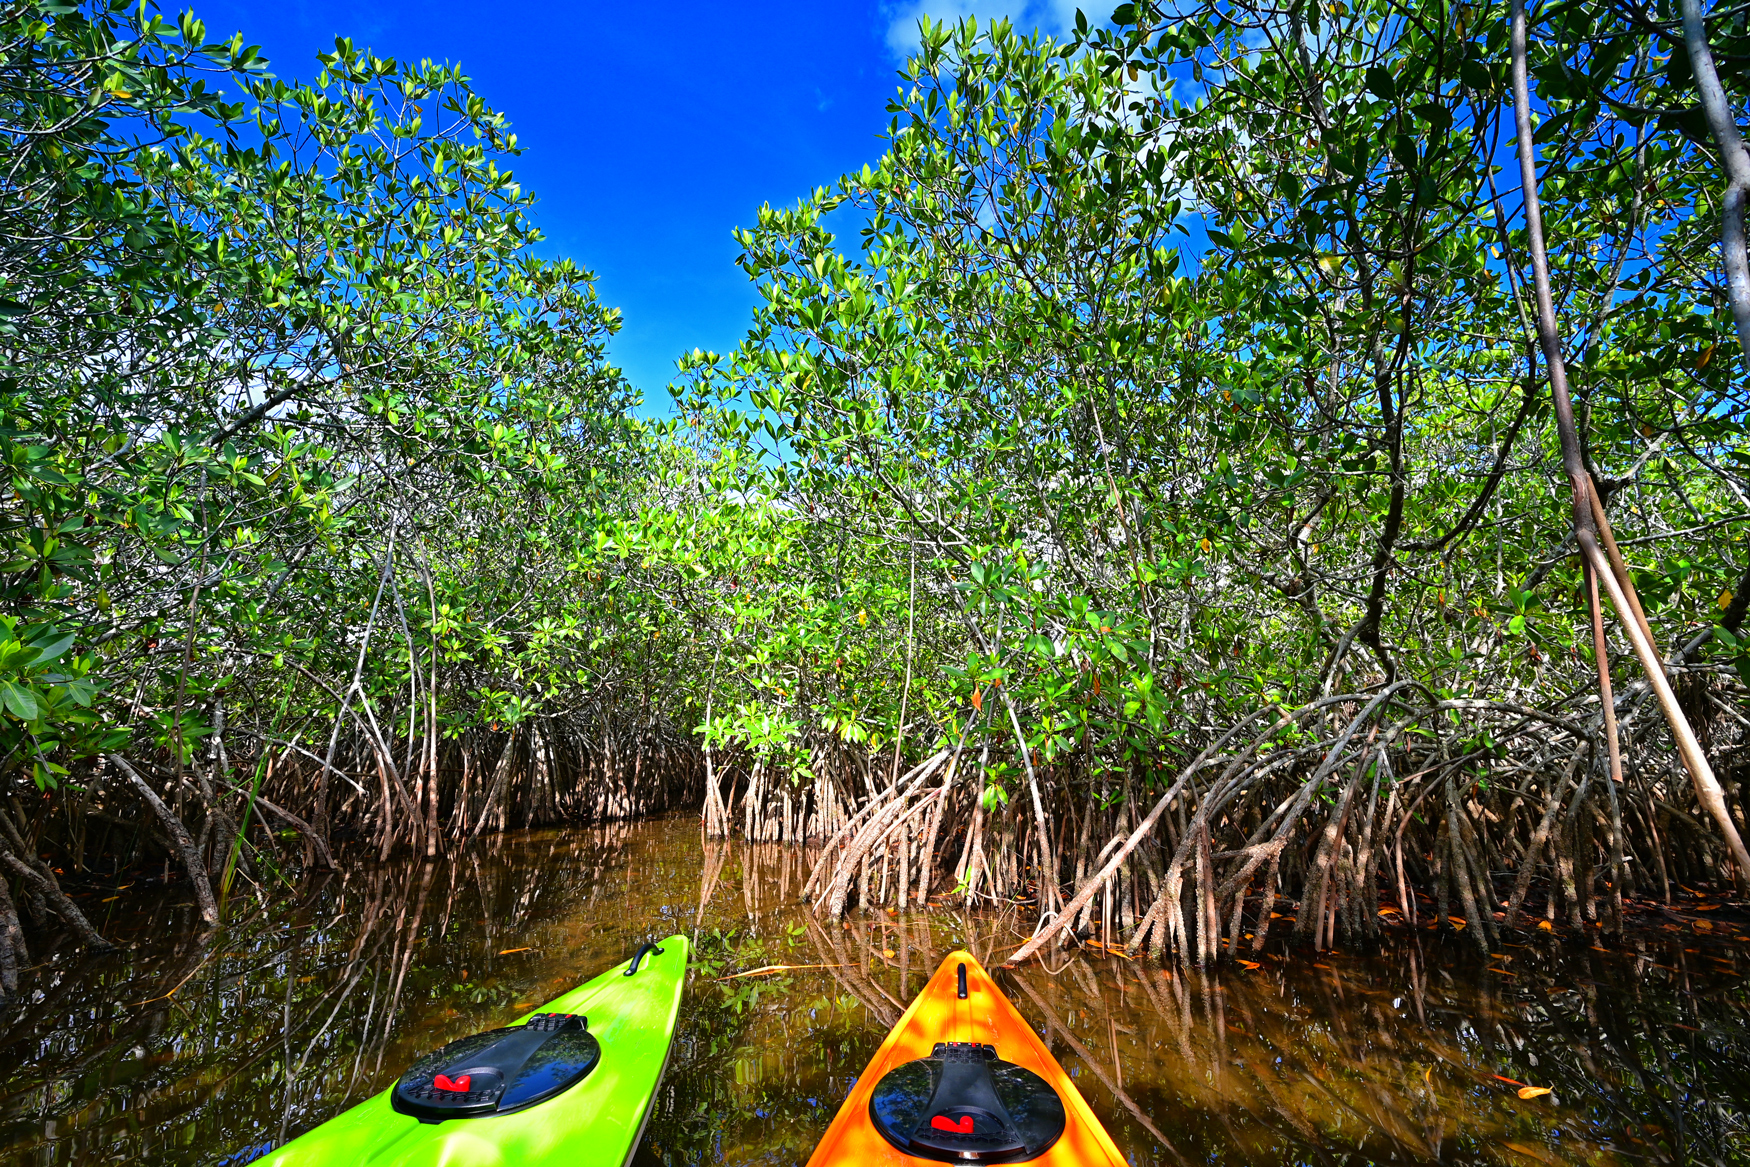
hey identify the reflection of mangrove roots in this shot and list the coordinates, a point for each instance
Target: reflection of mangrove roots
(1054, 1022)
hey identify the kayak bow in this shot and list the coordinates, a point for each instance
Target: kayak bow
(964, 1079)
(571, 1083)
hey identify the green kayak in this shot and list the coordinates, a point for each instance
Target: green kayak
(571, 1083)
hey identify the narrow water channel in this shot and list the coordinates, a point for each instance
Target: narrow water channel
(209, 1050)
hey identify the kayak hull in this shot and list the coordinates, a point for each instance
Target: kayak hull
(985, 1017)
(596, 1123)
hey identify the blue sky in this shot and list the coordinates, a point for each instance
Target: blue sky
(652, 131)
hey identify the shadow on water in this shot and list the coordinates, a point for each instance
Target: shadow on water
(208, 1049)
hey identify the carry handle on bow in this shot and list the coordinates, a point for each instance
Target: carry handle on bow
(639, 955)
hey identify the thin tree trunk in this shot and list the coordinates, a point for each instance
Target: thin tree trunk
(1735, 159)
(13, 952)
(179, 837)
(1707, 787)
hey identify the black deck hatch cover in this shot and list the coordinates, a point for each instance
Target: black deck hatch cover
(963, 1104)
(499, 1071)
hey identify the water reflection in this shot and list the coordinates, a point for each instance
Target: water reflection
(201, 1049)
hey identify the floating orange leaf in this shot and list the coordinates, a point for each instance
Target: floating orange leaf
(1250, 964)
(1545, 926)
(508, 951)
(887, 952)
(1529, 1092)
(1529, 1152)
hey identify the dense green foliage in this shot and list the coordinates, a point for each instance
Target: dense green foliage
(1202, 477)
(249, 344)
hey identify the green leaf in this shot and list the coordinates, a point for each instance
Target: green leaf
(19, 701)
(47, 653)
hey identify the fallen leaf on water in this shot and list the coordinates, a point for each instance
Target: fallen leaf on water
(1502, 972)
(508, 951)
(1275, 915)
(887, 952)
(1250, 964)
(1534, 1091)
(1528, 1152)
(1111, 949)
(1321, 965)
(1509, 1081)
(1457, 921)
(1545, 926)
(1704, 925)
(524, 1005)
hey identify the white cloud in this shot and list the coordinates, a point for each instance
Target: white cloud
(1055, 17)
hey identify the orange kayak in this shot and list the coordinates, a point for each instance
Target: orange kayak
(964, 1079)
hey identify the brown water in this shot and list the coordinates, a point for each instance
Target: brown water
(192, 1050)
